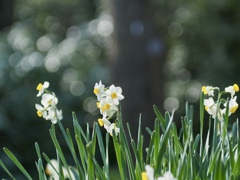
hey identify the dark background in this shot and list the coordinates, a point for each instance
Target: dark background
(160, 52)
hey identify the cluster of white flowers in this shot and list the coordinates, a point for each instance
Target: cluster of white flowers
(108, 102)
(149, 174)
(53, 168)
(48, 110)
(217, 109)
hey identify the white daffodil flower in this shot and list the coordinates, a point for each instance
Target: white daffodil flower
(213, 110)
(102, 121)
(218, 109)
(167, 176)
(232, 89)
(41, 112)
(48, 110)
(99, 90)
(233, 105)
(208, 90)
(111, 127)
(52, 171)
(48, 100)
(108, 101)
(208, 103)
(54, 114)
(107, 107)
(115, 93)
(41, 88)
(149, 174)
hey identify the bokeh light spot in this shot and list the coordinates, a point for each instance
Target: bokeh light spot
(105, 26)
(183, 76)
(52, 64)
(89, 105)
(44, 43)
(69, 75)
(170, 104)
(77, 88)
(74, 32)
(193, 91)
(183, 14)
(175, 29)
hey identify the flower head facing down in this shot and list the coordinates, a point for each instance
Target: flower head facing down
(41, 112)
(42, 87)
(217, 108)
(208, 90)
(112, 127)
(233, 105)
(102, 121)
(232, 89)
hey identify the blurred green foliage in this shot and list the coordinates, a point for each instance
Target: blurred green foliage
(57, 41)
(203, 40)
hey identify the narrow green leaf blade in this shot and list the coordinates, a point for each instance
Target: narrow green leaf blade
(17, 163)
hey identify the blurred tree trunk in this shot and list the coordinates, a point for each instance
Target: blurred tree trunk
(137, 58)
(6, 12)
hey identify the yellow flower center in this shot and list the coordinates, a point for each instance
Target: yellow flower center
(235, 87)
(204, 90)
(144, 176)
(96, 90)
(206, 108)
(98, 104)
(39, 113)
(50, 102)
(47, 172)
(39, 87)
(114, 95)
(106, 107)
(233, 109)
(100, 121)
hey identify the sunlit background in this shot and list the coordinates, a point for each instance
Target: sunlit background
(73, 44)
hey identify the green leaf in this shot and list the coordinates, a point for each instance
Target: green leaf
(219, 171)
(100, 171)
(17, 163)
(159, 116)
(214, 159)
(120, 157)
(41, 172)
(54, 168)
(58, 148)
(150, 149)
(6, 170)
(201, 121)
(104, 154)
(164, 144)
(82, 153)
(90, 163)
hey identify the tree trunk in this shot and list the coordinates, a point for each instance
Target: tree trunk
(137, 62)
